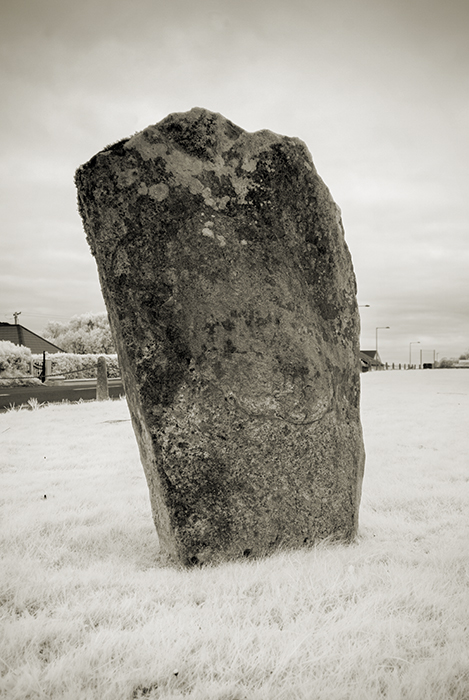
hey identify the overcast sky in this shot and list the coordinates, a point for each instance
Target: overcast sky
(378, 90)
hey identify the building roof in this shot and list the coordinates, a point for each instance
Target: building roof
(370, 358)
(19, 335)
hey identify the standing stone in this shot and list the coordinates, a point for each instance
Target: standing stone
(232, 302)
(102, 390)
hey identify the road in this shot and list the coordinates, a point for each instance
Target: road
(71, 390)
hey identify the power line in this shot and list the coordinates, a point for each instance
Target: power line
(27, 313)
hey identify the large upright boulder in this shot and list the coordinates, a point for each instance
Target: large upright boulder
(232, 302)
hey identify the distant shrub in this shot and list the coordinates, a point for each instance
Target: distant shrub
(447, 362)
(75, 366)
(14, 359)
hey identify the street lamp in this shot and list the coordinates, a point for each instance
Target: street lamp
(377, 329)
(414, 342)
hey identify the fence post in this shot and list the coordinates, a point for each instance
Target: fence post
(43, 374)
(102, 390)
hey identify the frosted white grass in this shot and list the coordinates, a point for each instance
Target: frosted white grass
(88, 611)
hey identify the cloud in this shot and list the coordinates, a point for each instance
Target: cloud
(376, 90)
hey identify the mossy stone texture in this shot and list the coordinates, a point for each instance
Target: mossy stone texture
(232, 302)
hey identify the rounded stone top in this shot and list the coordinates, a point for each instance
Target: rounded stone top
(203, 134)
(200, 130)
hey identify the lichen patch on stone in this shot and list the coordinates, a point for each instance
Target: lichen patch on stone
(159, 191)
(146, 148)
(126, 178)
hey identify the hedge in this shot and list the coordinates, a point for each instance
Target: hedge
(14, 359)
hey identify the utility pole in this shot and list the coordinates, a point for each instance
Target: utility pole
(414, 342)
(16, 314)
(377, 329)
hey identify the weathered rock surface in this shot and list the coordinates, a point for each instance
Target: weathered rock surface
(231, 296)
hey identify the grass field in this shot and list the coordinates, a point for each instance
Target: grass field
(89, 613)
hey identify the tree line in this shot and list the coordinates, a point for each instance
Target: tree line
(84, 334)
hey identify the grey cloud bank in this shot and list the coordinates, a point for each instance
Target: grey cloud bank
(378, 93)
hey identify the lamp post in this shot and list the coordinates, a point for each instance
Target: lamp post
(377, 329)
(414, 342)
